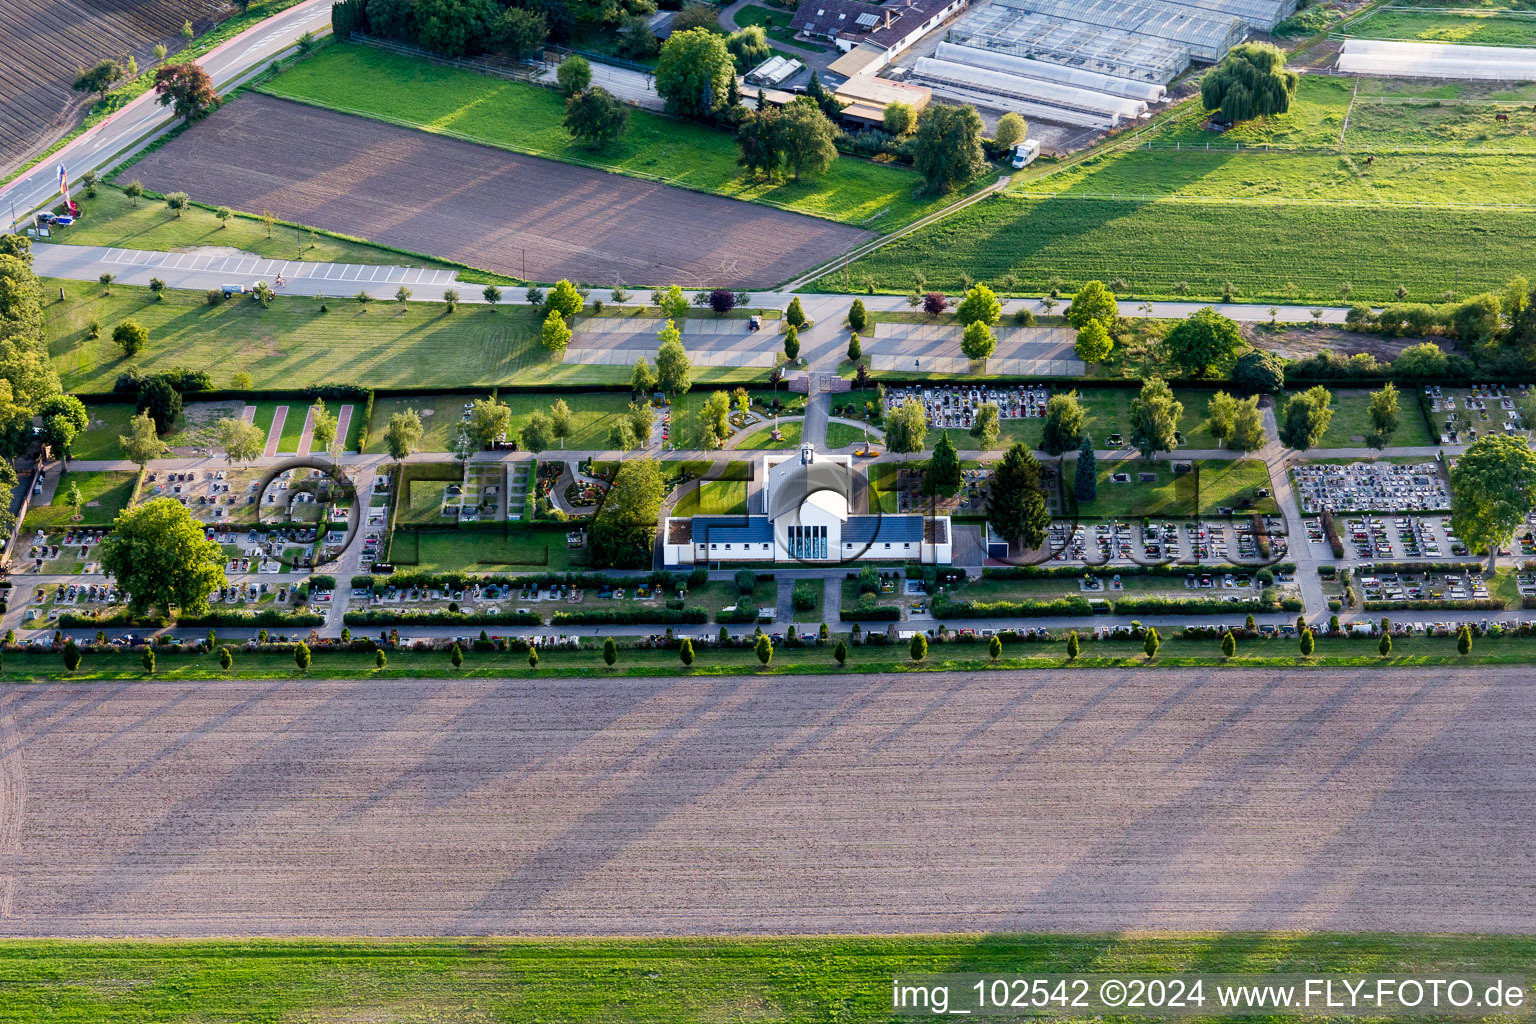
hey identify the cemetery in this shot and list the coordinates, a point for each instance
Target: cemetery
(1385, 485)
(1465, 414)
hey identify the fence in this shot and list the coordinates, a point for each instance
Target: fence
(1369, 204)
(501, 67)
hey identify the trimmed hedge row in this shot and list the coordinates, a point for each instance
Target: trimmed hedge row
(630, 616)
(1471, 604)
(870, 613)
(1376, 567)
(1161, 605)
(421, 617)
(230, 617)
(946, 607)
(736, 616)
(1057, 572)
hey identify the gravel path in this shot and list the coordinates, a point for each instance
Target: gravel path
(1393, 800)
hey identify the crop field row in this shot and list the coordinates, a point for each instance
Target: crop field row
(641, 980)
(1171, 249)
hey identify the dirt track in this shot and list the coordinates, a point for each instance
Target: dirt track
(1081, 800)
(482, 206)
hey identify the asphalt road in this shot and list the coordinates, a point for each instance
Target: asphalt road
(1081, 800)
(143, 118)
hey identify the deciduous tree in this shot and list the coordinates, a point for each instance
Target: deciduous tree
(906, 427)
(595, 117)
(554, 335)
(806, 138)
(978, 342)
(986, 425)
(947, 149)
(980, 305)
(1063, 428)
(694, 73)
(130, 336)
(1093, 342)
(624, 524)
(1384, 417)
(1093, 302)
(1493, 489)
(241, 441)
(403, 435)
(1306, 418)
(1251, 82)
(160, 557)
(674, 373)
(1202, 341)
(1155, 418)
(1011, 130)
(186, 89)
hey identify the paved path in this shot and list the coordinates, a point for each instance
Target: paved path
(143, 119)
(1074, 801)
(201, 271)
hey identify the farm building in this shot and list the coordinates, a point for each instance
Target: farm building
(883, 30)
(865, 98)
(806, 502)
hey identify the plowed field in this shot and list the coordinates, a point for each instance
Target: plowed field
(516, 215)
(1086, 800)
(47, 42)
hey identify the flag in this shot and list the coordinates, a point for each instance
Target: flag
(63, 183)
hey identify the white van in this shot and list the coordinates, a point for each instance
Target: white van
(1024, 153)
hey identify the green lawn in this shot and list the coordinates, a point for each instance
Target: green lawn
(775, 23)
(1218, 483)
(105, 495)
(526, 119)
(99, 439)
(841, 435)
(714, 498)
(114, 219)
(676, 981)
(451, 550)
(763, 439)
(292, 344)
(1485, 28)
(1351, 420)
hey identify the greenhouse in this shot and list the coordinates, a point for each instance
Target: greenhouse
(1071, 44)
(1437, 60)
(1026, 67)
(1206, 35)
(1097, 105)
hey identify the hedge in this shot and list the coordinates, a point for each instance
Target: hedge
(629, 616)
(1467, 605)
(946, 607)
(1054, 572)
(870, 613)
(1380, 567)
(736, 616)
(424, 617)
(1170, 605)
(214, 617)
(1331, 531)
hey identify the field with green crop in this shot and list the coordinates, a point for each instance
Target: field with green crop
(1485, 28)
(527, 119)
(1177, 249)
(1193, 211)
(801, 980)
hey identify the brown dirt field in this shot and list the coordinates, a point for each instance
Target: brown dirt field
(49, 42)
(482, 206)
(1086, 800)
